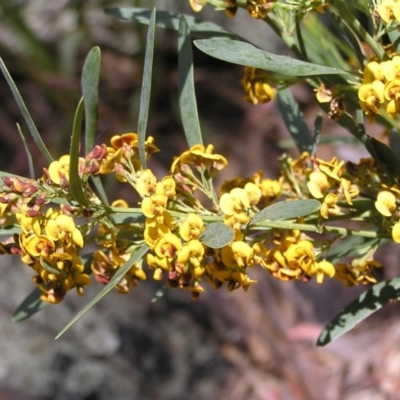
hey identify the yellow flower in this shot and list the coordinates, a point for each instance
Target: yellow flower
(154, 205)
(253, 193)
(197, 5)
(374, 72)
(259, 9)
(234, 202)
(318, 184)
(392, 93)
(158, 263)
(350, 191)
(146, 182)
(257, 86)
(371, 95)
(191, 228)
(59, 170)
(300, 255)
(386, 10)
(37, 246)
(386, 203)
(168, 185)
(396, 232)
(322, 268)
(201, 157)
(239, 254)
(63, 228)
(191, 252)
(323, 94)
(168, 246)
(154, 231)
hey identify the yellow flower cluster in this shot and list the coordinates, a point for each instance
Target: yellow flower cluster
(50, 244)
(172, 219)
(380, 90)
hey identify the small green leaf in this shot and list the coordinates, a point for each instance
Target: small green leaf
(98, 184)
(9, 231)
(242, 53)
(384, 156)
(48, 267)
(294, 120)
(146, 89)
(137, 256)
(317, 133)
(170, 20)
(217, 235)
(369, 302)
(394, 141)
(75, 181)
(30, 306)
(287, 210)
(90, 92)
(28, 153)
(352, 246)
(25, 113)
(187, 95)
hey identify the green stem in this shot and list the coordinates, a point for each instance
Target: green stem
(322, 229)
(276, 225)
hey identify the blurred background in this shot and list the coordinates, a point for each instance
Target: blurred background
(258, 345)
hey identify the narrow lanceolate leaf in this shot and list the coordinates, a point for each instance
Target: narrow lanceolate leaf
(25, 113)
(187, 95)
(170, 20)
(242, 53)
(137, 256)
(98, 184)
(90, 92)
(146, 89)
(384, 156)
(317, 133)
(217, 235)
(75, 181)
(48, 267)
(368, 303)
(28, 153)
(30, 306)
(287, 210)
(294, 120)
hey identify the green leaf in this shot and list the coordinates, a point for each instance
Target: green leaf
(75, 181)
(146, 89)
(25, 113)
(317, 133)
(384, 156)
(170, 20)
(187, 95)
(287, 210)
(90, 92)
(294, 120)
(28, 153)
(98, 184)
(137, 256)
(369, 302)
(10, 230)
(48, 267)
(394, 36)
(242, 53)
(352, 246)
(30, 306)
(394, 141)
(217, 235)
